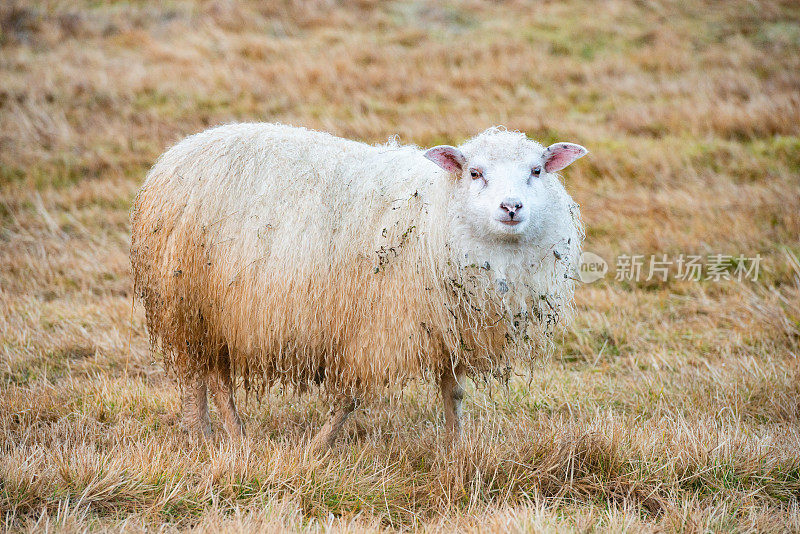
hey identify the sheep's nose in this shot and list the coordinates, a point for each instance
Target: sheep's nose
(511, 206)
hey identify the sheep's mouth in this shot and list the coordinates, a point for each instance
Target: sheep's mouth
(510, 222)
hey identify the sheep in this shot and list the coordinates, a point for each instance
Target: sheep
(268, 254)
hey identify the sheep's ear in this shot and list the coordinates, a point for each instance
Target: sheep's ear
(559, 155)
(447, 157)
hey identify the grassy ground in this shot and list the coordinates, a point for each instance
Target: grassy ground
(668, 405)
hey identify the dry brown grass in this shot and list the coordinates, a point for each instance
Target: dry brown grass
(669, 406)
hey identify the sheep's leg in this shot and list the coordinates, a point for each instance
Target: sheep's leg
(223, 390)
(330, 430)
(451, 385)
(195, 408)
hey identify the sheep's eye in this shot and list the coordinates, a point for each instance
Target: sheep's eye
(475, 173)
(536, 171)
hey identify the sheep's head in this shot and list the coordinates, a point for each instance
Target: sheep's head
(505, 180)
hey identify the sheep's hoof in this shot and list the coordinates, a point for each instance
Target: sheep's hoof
(198, 434)
(321, 443)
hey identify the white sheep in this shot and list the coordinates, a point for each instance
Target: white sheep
(270, 254)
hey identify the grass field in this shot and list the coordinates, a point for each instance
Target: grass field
(668, 405)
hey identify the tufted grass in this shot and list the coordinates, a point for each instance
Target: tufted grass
(668, 406)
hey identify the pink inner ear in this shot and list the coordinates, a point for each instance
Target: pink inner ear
(447, 157)
(560, 155)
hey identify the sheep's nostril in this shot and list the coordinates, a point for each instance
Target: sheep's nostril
(511, 207)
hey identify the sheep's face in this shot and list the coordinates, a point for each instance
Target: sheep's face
(506, 181)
